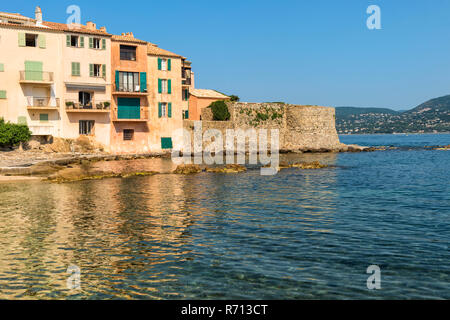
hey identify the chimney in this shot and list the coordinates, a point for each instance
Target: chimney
(103, 29)
(38, 15)
(91, 26)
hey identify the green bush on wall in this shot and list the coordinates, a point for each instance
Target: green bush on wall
(12, 134)
(220, 111)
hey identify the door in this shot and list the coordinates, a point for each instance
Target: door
(129, 108)
(33, 70)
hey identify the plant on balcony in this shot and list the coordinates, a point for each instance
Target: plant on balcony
(106, 104)
(69, 104)
(13, 134)
(220, 111)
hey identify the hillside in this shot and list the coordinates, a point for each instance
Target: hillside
(431, 116)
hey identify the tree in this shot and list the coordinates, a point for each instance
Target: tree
(234, 98)
(13, 134)
(220, 111)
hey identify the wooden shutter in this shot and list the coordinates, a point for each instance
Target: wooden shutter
(104, 71)
(159, 86)
(159, 109)
(103, 44)
(159, 64)
(91, 43)
(41, 40)
(81, 42)
(169, 111)
(22, 120)
(68, 40)
(2, 94)
(2, 67)
(74, 69)
(91, 70)
(169, 64)
(143, 81)
(166, 143)
(43, 117)
(117, 80)
(169, 86)
(21, 39)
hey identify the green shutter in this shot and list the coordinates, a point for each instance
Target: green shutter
(76, 69)
(21, 39)
(159, 63)
(2, 94)
(169, 86)
(68, 40)
(104, 71)
(169, 64)
(41, 39)
(22, 120)
(169, 111)
(128, 108)
(166, 143)
(81, 42)
(159, 86)
(43, 117)
(91, 70)
(159, 109)
(91, 43)
(186, 116)
(117, 80)
(103, 44)
(2, 67)
(33, 70)
(143, 82)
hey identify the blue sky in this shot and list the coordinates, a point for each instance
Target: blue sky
(303, 52)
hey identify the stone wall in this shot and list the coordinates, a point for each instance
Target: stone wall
(301, 128)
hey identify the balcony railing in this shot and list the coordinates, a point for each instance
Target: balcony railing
(129, 88)
(131, 114)
(94, 106)
(42, 102)
(187, 81)
(36, 76)
(41, 130)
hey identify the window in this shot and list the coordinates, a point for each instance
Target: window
(76, 69)
(185, 94)
(129, 82)
(96, 43)
(127, 53)
(128, 134)
(43, 117)
(163, 86)
(163, 64)
(97, 70)
(86, 127)
(74, 41)
(163, 110)
(30, 40)
(85, 99)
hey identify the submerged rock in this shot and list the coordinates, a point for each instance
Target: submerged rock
(229, 168)
(187, 169)
(443, 148)
(309, 165)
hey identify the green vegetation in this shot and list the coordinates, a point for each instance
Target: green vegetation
(13, 134)
(220, 111)
(234, 98)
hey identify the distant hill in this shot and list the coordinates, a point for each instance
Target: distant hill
(431, 116)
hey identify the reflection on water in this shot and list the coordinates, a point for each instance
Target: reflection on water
(203, 236)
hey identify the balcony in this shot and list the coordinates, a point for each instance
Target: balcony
(42, 103)
(129, 90)
(42, 130)
(36, 77)
(137, 114)
(95, 106)
(186, 82)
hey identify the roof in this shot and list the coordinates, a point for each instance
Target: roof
(76, 28)
(127, 38)
(207, 93)
(15, 16)
(153, 49)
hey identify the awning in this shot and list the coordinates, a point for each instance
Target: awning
(86, 86)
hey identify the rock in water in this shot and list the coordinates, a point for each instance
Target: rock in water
(187, 169)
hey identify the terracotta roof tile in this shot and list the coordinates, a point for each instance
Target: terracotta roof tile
(76, 28)
(154, 50)
(207, 93)
(127, 38)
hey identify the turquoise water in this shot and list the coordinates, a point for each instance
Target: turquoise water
(302, 234)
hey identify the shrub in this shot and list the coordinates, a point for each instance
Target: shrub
(12, 134)
(234, 98)
(220, 111)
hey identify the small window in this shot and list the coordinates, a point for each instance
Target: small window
(164, 64)
(128, 134)
(97, 70)
(43, 117)
(164, 85)
(127, 53)
(74, 41)
(86, 127)
(96, 43)
(30, 40)
(163, 109)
